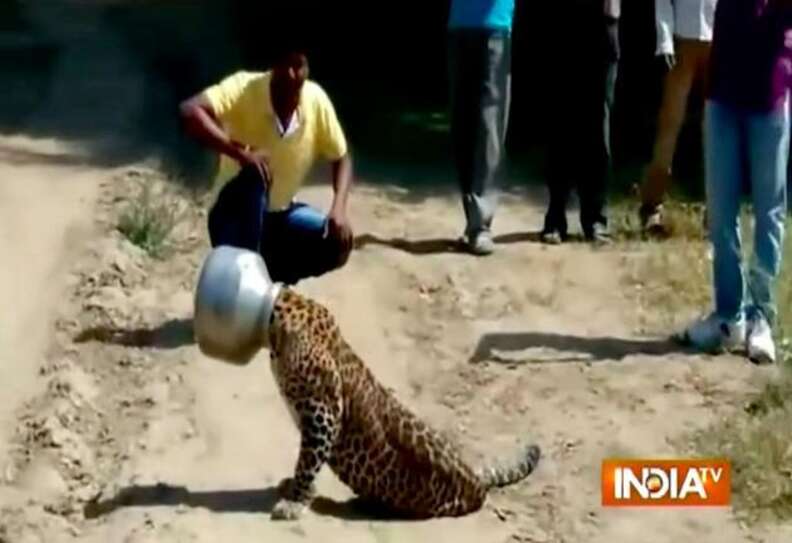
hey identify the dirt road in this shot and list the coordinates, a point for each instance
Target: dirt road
(136, 437)
(46, 203)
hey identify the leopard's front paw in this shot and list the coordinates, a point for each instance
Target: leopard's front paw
(285, 487)
(288, 490)
(287, 510)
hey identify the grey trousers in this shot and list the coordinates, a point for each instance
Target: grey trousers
(480, 78)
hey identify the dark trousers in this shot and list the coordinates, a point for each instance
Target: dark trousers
(580, 154)
(480, 78)
(293, 242)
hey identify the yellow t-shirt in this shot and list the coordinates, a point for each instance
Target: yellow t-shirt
(243, 105)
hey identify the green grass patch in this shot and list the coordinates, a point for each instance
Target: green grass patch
(148, 221)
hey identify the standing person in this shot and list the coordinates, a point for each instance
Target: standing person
(270, 128)
(584, 85)
(480, 76)
(747, 139)
(684, 37)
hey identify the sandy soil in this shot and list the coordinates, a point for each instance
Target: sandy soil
(120, 431)
(46, 201)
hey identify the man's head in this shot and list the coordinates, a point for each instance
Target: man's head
(290, 67)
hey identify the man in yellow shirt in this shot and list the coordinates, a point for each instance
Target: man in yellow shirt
(269, 129)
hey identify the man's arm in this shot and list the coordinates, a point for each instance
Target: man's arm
(201, 122)
(342, 183)
(333, 147)
(664, 21)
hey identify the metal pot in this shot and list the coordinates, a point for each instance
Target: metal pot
(234, 301)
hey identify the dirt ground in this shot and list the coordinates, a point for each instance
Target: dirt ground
(116, 429)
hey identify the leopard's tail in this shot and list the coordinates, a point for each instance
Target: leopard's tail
(507, 473)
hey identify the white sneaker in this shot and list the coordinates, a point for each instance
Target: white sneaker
(713, 334)
(761, 348)
(481, 244)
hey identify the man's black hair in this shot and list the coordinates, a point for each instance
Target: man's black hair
(286, 42)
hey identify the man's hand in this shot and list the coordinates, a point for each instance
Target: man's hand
(258, 159)
(340, 230)
(202, 122)
(668, 60)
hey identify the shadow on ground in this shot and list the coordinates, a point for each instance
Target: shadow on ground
(415, 247)
(433, 246)
(257, 501)
(570, 348)
(163, 495)
(172, 334)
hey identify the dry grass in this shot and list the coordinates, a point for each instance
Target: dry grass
(683, 221)
(149, 219)
(758, 441)
(671, 279)
(672, 282)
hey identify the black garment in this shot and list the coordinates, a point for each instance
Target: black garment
(580, 154)
(293, 242)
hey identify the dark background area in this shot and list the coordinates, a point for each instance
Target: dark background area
(110, 74)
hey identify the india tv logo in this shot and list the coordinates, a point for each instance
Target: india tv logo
(666, 483)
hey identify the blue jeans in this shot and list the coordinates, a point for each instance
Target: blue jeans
(756, 145)
(480, 77)
(294, 242)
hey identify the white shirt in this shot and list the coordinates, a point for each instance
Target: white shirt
(690, 19)
(291, 128)
(613, 8)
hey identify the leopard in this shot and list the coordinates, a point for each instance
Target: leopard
(348, 420)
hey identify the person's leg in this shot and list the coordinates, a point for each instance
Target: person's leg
(490, 133)
(297, 244)
(724, 163)
(724, 146)
(555, 222)
(560, 168)
(563, 139)
(593, 188)
(311, 226)
(676, 91)
(463, 86)
(703, 52)
(236, 217)
(591, 168)
(768, 154)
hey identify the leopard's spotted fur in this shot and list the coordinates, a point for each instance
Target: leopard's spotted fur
(348, 420)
